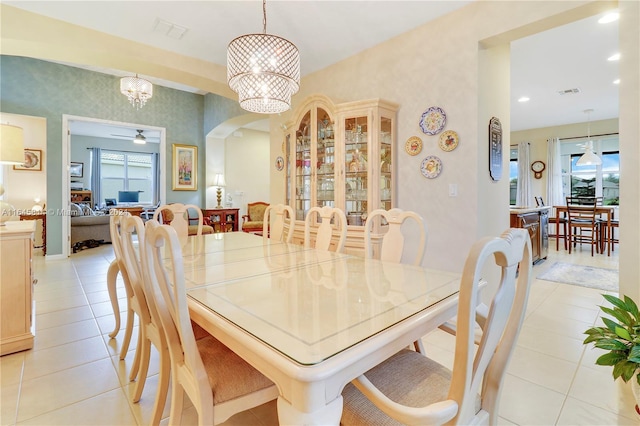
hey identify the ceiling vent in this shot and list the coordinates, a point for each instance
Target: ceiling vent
(169, 29)
(569, 91)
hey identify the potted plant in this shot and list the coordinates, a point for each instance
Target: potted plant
(621, 339)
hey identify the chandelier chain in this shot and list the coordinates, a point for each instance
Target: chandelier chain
(264, 16)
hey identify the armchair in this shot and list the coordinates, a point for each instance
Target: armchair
(253, 220)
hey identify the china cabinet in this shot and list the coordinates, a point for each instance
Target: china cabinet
(341, 156)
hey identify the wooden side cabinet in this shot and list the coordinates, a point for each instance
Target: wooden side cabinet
(16, 282)
(535, 221)
(222, 220)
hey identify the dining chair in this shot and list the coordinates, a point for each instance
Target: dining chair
(320, 218)
(278, 223)
(115, 267)
(217, 381)
(177, 215)
(410, 388)
(583, 223)
(150, 330)
(392, 244)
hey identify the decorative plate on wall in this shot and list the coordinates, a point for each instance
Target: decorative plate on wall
(413, 146)
(433, 120)
(431, 167)
(279, 163)
(448, 140)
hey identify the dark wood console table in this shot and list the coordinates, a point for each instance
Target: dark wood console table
(222, 220)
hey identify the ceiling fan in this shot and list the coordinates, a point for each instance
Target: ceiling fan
(139, 138)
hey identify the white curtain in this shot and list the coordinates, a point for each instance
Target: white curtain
(96, 174)
(523, 192)
(555, 195)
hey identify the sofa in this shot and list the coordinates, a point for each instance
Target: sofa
(87, 228)
(252, 221)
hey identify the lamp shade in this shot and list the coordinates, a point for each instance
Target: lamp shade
(589, 158)
(11, 144)
(137, 90)
(218, 180)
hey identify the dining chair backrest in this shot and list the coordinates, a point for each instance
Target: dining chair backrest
(584, 200)
(321, 218)
(116, 217)
(179, 217)
(392, 246)
(478, 372)
(209, 372)
(581, 209)
(165, 273)
(277, 218)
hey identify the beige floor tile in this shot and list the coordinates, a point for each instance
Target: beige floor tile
(577, 412)
(66, 333)
(109, 408)
(9, 396)
(597, 387)
(48, 292)
(267, 413)
(525, 403)
(11, 368)
(547, 342)
(53, 391)
(105, 308)
(58, 318)
(541, 369)
(569, 311)
(46, 361)
(549, 321)
(99, 296)
(60, 304)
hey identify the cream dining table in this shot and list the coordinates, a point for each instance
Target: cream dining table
(310, 320)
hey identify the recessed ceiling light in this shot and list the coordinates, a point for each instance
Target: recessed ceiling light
(615, 57)
(609, 17)
(523, 99)
(616, 81)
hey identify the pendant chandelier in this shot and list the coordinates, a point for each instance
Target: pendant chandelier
(264, 70)
(137, 90)
(589, 157)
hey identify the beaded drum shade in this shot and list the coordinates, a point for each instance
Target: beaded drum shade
(264, 70)
(138, 90)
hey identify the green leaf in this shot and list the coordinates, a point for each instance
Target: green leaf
(623, 333)
(628, 370)
(634, 354)
(632, 307)
(612, 345)
(611, 358)
(611, 325)
(614, 301)
(620, 315)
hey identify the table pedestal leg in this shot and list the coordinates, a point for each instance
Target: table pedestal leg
(330, 414)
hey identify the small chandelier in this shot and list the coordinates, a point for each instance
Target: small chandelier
(137, 90)
(264, 70)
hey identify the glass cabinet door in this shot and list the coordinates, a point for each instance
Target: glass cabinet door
(385, 138)
(303, 167)
(356, 170)
(325, 164)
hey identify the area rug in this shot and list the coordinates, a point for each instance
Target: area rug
(585, 276)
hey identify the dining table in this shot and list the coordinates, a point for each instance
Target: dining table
(608, 211)
(310, 320)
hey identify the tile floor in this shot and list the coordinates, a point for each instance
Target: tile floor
(73, 374)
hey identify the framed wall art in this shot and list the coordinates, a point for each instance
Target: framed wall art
(185, 167)
(76, 170)
(495, 149)
(32, 160)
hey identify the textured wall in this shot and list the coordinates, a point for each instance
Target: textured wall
(43, 89)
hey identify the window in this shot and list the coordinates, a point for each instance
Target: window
(127, 171)
(600, 181)
(513, 174)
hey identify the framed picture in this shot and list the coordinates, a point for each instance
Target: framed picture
(495, 149)
(32, 160)
(185, 167)
(76, 170)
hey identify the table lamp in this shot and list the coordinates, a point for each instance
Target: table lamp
(219, 182)
(11, 152)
